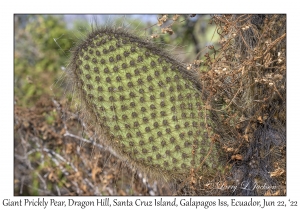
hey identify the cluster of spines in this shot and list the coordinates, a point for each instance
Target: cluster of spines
(144, 101)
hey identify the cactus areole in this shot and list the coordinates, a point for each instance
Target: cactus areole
(144, 103)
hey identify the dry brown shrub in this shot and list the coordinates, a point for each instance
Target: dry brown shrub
(246, 89)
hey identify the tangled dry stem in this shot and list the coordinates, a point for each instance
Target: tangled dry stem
(246, 88)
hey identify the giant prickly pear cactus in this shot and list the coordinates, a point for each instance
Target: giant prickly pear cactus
(144, 103)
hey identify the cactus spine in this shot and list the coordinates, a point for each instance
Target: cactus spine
(145, 103)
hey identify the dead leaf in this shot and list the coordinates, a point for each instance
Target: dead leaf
(95, 171)
(277, 172)
(237, 157)
(69, 148)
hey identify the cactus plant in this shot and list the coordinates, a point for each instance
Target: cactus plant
(144, 103)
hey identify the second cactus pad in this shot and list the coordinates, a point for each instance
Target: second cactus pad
(145, 103)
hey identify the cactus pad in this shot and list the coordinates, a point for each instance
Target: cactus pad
(145, 103)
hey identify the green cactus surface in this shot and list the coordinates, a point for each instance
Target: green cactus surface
(146, 104)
